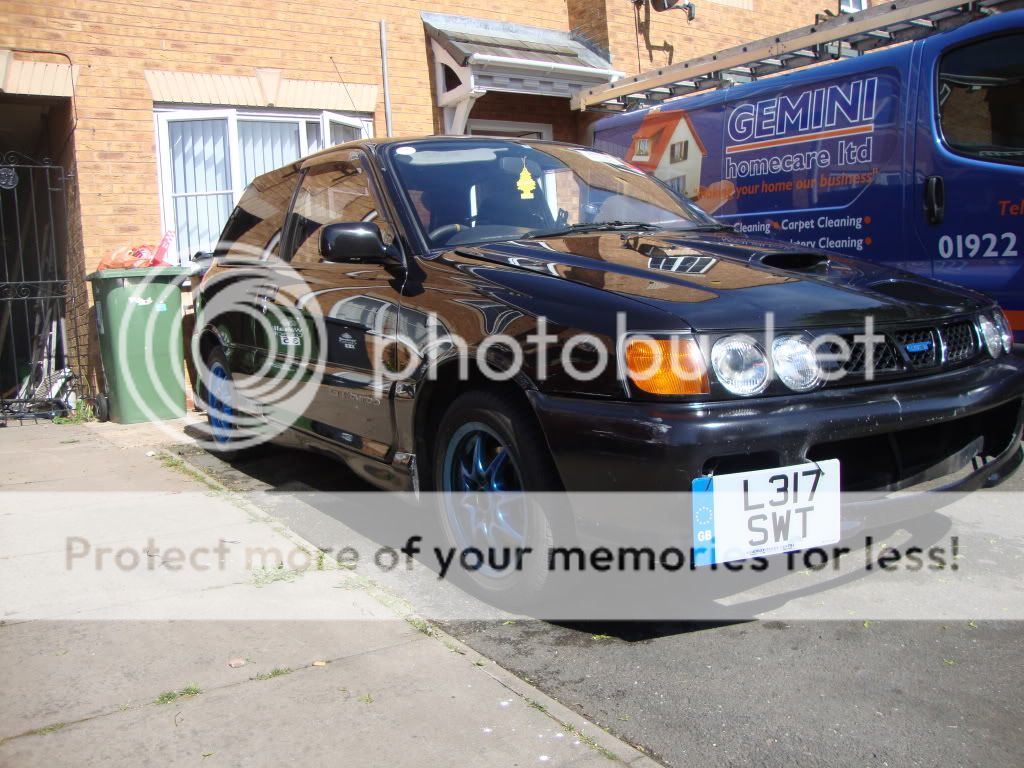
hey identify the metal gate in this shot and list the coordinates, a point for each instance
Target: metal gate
(40, 350)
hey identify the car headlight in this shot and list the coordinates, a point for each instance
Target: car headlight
(1005, 331)
(795, 363)
(993, 339)
(740, 365)
(672, 366)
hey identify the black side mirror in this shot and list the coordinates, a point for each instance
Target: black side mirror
(356, 242)
(201, 262)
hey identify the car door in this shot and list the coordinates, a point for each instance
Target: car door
(249, 242)
(968, 197)
(336, 320)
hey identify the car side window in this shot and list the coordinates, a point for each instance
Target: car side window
(365, 311)
(336, 192)
(981, 99)
(253, 229)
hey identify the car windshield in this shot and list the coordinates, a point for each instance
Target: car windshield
(467, 191)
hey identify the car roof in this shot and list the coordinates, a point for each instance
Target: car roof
(329, 153)
(336, 153)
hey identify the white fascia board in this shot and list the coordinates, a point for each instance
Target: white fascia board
(485, 60)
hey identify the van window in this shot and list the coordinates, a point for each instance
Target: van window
(329, 194)
(981, 99)
(254, 228)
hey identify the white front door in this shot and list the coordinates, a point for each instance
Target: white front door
(510, 130)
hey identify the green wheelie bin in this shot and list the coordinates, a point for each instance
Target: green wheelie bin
(138, 317)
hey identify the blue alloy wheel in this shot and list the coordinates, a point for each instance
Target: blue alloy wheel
(485, 506)
(218, 407)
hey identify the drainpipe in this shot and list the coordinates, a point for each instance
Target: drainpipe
(384, 67)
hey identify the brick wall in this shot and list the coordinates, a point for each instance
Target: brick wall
(641, 39)
(114, 41)
(80, 331)
(521, 107)
(589, 20)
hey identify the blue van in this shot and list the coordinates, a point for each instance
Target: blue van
(912, 156)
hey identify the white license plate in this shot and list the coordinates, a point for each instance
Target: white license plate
(765, 512)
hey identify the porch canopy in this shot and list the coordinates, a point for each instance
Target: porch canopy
(474, 56)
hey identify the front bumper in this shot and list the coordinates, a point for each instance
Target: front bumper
(887, 436)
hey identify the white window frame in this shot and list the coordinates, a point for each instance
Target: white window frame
(363, 124)
(545, 130)
(163, 114)
(853, 6)
(643, 143)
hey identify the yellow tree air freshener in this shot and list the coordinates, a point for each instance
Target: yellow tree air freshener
(526, 184)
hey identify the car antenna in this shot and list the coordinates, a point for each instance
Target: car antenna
(343, 83)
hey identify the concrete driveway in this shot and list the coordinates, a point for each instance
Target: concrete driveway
(770, 692)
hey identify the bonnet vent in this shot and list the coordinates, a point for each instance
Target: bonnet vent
(816, 263)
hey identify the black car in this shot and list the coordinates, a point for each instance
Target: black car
(466, 314)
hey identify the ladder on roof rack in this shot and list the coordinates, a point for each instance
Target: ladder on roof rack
(882, 25)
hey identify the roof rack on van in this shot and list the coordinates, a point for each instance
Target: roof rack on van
(830, 37)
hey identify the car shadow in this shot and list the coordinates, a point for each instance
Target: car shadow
(644, 631)
(693, 601)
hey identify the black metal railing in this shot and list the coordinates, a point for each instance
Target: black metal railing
(41, 340)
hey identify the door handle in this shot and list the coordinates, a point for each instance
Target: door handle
(934, 199)
(265, 296)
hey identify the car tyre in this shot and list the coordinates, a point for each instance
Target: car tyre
(102, 408)
(490, 454)
(217, 394)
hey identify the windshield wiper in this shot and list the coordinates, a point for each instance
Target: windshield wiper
(710, 228)
(597, 226)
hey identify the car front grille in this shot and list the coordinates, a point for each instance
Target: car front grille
(961, 342)
(919, 345)
(885, 356)
(901, 350)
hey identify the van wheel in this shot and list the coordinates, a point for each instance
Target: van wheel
(490, 453)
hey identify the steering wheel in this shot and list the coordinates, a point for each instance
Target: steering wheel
(445, 231)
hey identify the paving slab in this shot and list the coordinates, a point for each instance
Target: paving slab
(416, 703)
(87, 652)
(75, 670)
